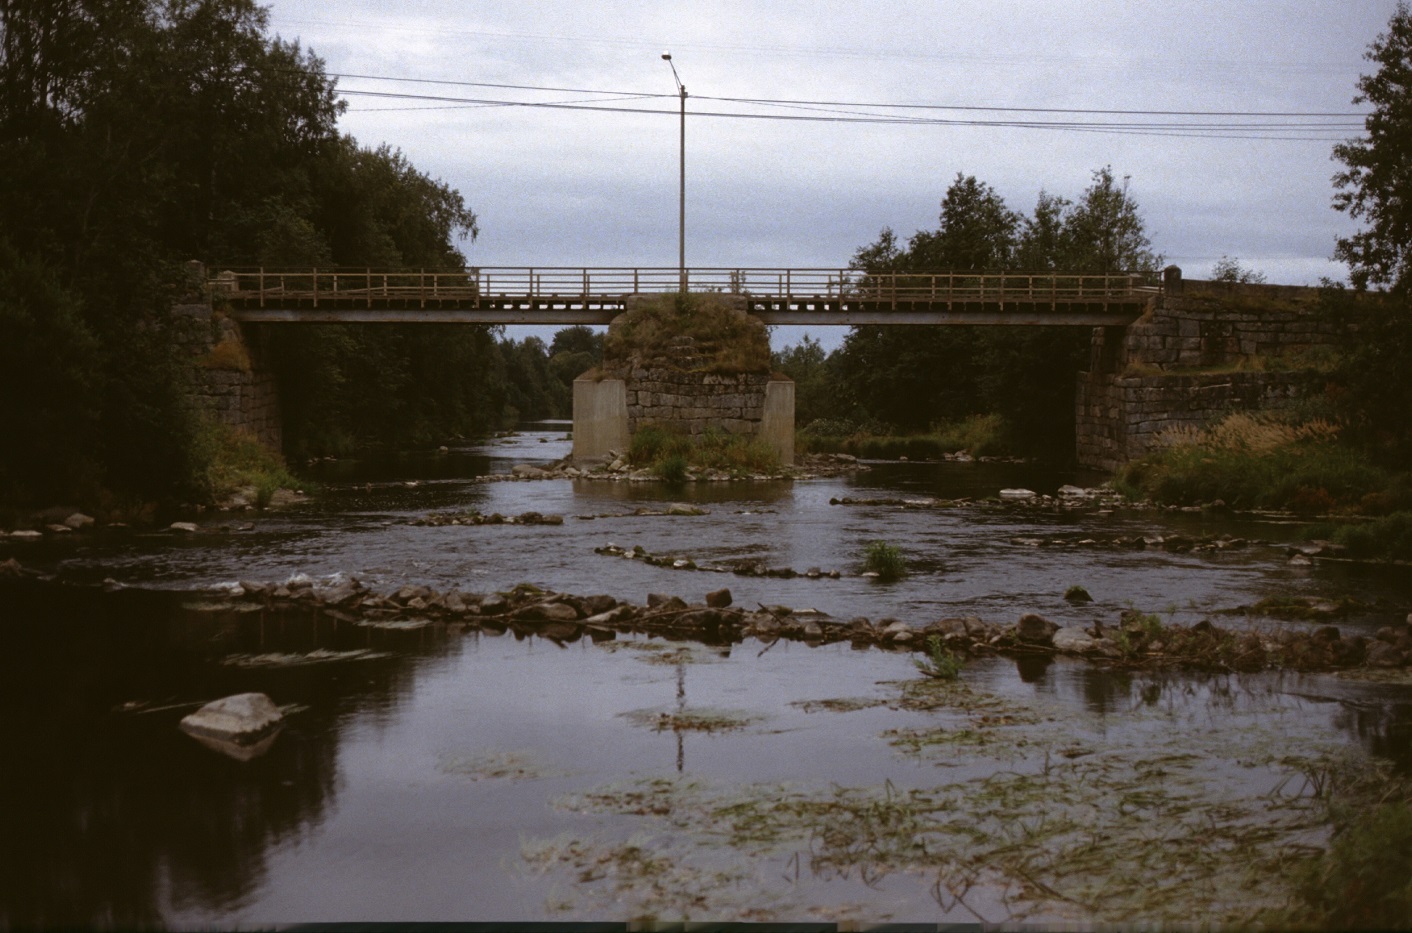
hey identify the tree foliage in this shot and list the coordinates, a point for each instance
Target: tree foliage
(913, 377)
(1376, 185)
(139, 134)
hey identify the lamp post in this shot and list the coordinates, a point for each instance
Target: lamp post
(681, 197)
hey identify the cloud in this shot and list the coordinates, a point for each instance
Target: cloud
(557, 187)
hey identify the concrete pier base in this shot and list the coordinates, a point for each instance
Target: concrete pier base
(600, 418)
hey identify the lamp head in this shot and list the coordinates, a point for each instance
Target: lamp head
(666, 56)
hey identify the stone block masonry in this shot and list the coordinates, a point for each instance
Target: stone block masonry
(675, 393)
(227, 377)
(1147, 378)
(1120, 418)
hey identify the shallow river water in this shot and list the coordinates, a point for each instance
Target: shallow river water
(435, 774)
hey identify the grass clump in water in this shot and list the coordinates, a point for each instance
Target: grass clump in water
(940, 663)
(1363, 880)
(885, 560)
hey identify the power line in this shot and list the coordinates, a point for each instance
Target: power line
(841, 103)
(1245, 130)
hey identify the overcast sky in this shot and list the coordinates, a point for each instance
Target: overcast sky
(588, 187)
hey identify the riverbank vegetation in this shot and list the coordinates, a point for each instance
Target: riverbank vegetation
(139, 136)
(978, 436)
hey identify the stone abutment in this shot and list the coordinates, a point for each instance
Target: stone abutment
(1203, 351)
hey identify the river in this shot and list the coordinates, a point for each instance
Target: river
(429, 773)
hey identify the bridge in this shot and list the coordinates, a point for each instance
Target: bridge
(595, 295)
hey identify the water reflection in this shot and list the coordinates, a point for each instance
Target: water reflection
(107, 813)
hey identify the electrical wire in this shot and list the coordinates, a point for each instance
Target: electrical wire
(828, 112)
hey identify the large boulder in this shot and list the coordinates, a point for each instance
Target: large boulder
(242, 726)
(1072, 639)
(550, 611)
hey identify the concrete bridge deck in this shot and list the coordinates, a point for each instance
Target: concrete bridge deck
(589, 295)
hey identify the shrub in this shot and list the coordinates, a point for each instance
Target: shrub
(225, 460)
(980, 435)
(885, 560)
(735, 453)
(1255, 462)
(654, 442)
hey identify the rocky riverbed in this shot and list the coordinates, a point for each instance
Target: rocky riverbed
(1133, 639)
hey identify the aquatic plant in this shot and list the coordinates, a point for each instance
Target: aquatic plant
(1363, 881)
(939, 662)
(885, 560)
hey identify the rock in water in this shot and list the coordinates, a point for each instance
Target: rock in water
(718, 599)
(242, 726)
(1035, 629)
(1012, 495)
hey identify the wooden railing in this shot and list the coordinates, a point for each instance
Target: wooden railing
(604, 285)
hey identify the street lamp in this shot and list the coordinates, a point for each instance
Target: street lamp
(681, 214)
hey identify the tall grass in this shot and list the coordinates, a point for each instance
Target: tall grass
(885, 560)
(1250, 461)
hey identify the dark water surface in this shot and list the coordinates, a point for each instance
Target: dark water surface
(424, 773)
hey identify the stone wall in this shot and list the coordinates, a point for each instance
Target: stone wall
(227, 377)
(1146, 378)
(1208, 324)
(1120, 418)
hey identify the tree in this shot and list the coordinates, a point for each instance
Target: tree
(1044, 244)
(1104, 231)
(816, 390)
(913, 377)
(977, 231)
(138, 134)
(1229, 269)
(1376, 186)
